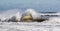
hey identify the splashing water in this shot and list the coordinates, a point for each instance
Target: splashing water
(33, 13)
(9, 13)
(54, 19)
(15, 12)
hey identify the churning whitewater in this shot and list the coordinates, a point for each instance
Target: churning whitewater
(17, 13)
(8, 17)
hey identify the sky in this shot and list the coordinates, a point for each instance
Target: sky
(38, 5)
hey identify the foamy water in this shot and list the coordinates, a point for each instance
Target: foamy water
(15, 12)
(52, 24)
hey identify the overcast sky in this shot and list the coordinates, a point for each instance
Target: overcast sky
(39, 5)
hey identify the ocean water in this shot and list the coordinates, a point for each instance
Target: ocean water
(32, 26)
(52, 24)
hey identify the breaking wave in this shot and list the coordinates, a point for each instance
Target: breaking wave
(17, 12)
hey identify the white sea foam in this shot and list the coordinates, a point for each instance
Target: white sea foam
(54, 20)
(11, 26)
(16, 12)
(33, 12)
